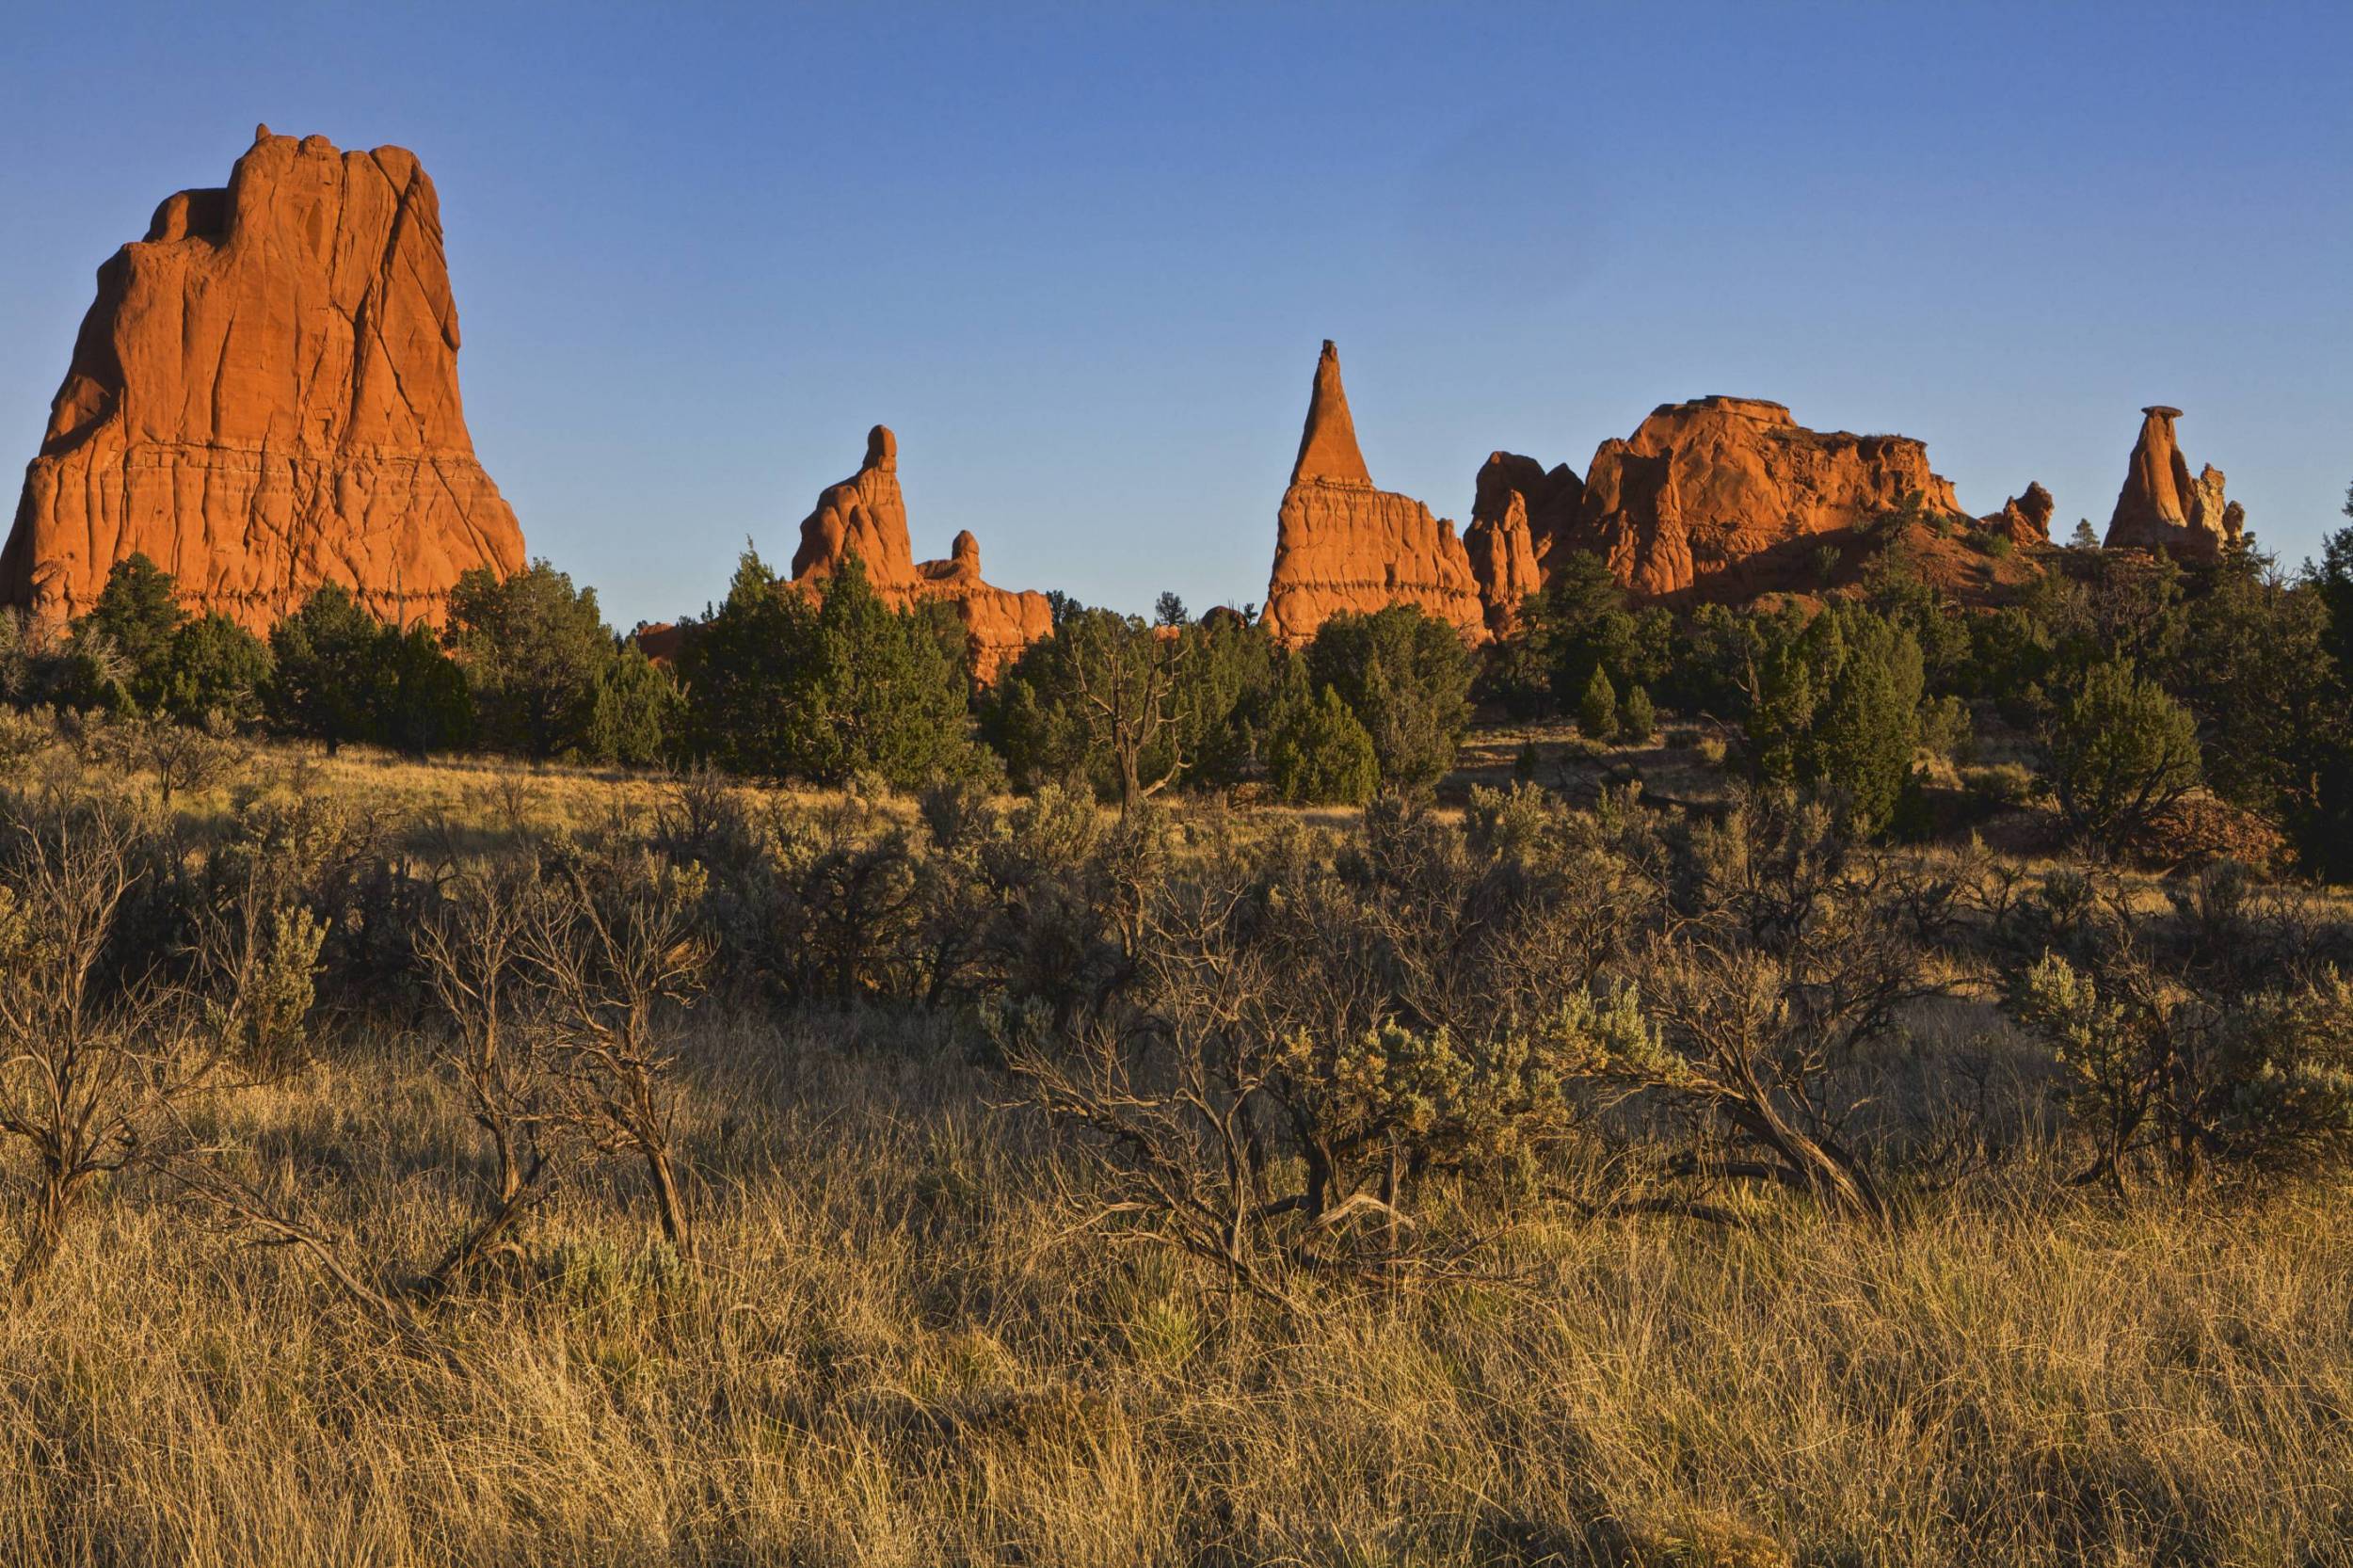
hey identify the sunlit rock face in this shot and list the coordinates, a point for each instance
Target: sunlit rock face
(1340, 545)
(263, 398)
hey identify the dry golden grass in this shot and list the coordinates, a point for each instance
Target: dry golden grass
(903, 1346)
(904, 1343)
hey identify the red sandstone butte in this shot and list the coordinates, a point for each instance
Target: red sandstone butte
(1723, 497)
(866, 514)
(263, 398)
(1340, 545)
(2162, 507)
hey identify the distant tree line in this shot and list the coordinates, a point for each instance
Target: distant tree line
(2130, 680)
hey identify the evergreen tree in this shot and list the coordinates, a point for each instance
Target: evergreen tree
(780, 686)
(125, 640)
(422, 705)
(1837, 706)
(534, 649)
(328, 678)
(634, 717)
(1597, 710)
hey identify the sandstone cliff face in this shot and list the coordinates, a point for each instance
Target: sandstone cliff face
(2162, 507)
(264, 397)
(1520, 512)
(866, 514)
(1723, 497)
(1342, 546)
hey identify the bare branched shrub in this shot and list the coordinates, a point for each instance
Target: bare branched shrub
(99, 1056)
(1791, 952)
(1314, 1029)
(619, 956)
(472, 950)
(181, 758)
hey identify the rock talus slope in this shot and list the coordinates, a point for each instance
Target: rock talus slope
(1341, 545)
(263, 398)
(866, 515)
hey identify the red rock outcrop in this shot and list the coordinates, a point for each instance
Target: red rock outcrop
(1723, 497)
(263, 398)
(2026, 518)
(1340, 545)
(866, 515)
(1519, 512)
(2162, 507)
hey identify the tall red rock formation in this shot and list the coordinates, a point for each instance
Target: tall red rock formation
(2162, 507)
(1340, 545)
(1519, 512)
(1724, 498)
(866, 515)
(263, 398)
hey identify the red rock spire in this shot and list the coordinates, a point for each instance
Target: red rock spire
(1327, 447)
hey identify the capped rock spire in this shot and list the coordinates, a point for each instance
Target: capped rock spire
(1327, 447)
(2162, 507)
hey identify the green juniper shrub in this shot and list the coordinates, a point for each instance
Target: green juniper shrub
(214, 666)
(635, 713)
(1319, 755)
(782, 684)
(1838, 706)
(423, 706)
(2121, 751)
(1406, 675)
(1638, 720)
(127, 635)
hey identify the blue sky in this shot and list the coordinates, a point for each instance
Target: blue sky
(1081, 257)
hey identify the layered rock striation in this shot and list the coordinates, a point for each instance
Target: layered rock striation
(263, 398)
(866, 515)
(1341, 545)
(2162, 507)
(1726, 498)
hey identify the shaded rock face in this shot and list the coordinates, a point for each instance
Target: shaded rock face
(263, 398)
(1520, 511)
(1342, 546)
(1723, 497)
(2162, 507)
(2026, 518)
(866, 514)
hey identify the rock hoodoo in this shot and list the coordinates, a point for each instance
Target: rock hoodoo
(1341, 545)
(866, 515)
(2162, 507)
(1519, 512)
(2026, 518)
(263, 398)
(1723, 498)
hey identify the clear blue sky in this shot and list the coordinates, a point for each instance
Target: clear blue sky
(1080, 257)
